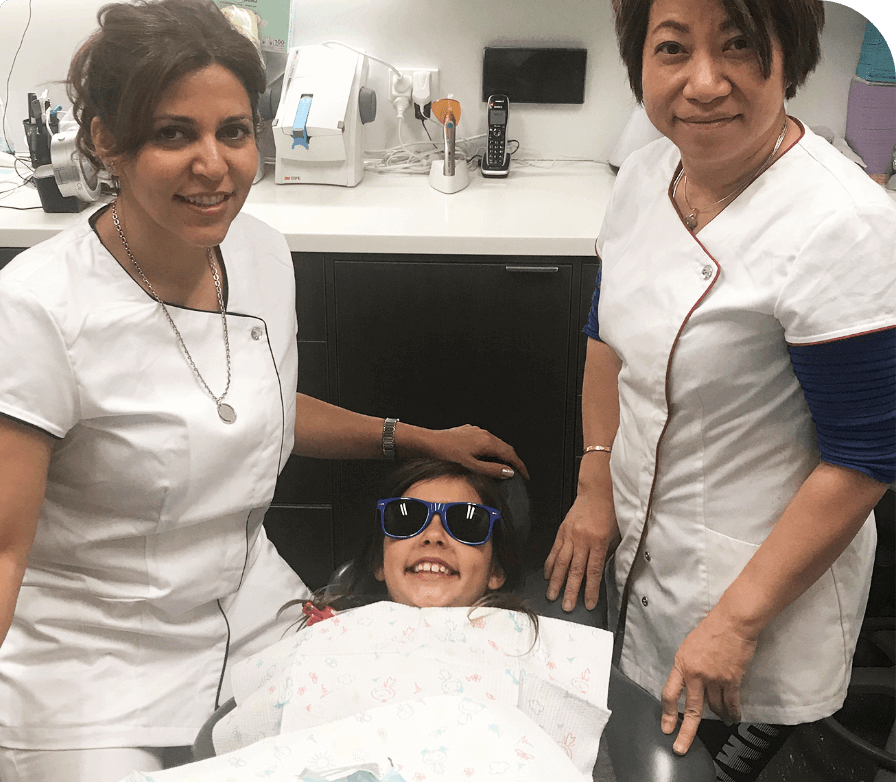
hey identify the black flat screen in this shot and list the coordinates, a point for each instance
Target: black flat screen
(534, 75)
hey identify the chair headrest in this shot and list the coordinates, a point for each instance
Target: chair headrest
(516, 497)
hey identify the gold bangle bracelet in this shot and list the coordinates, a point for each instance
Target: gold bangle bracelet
(597, 448)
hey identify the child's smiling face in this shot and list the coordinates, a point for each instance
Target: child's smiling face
(432, 568)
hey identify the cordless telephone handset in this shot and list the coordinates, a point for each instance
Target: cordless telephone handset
(496, 161)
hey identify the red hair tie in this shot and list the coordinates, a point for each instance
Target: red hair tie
(315, 615)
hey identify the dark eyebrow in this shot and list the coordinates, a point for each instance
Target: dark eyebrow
(190, 121)
(671, 24)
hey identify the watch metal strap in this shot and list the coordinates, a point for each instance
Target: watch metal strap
(389, 438)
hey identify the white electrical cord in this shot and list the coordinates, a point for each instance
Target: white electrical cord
(363, 54)
(405, 160)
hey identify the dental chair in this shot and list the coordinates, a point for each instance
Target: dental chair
(637, 748)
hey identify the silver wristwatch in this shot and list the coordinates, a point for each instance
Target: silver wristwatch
(389, 438)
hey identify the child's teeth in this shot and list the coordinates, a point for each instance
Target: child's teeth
(429, 567)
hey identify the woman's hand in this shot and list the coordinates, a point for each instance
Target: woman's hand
(580, 550)
(710, 664)
(474, 448)
(325, 431)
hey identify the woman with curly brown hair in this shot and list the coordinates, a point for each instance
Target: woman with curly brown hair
(147, 405)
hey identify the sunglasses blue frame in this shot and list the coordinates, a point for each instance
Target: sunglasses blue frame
(441, 508)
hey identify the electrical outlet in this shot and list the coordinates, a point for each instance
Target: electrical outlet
(418, 78)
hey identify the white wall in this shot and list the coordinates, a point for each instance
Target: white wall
(450, 36)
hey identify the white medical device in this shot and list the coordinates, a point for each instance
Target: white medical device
(318, 127)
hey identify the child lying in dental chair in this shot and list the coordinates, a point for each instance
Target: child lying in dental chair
(444, 674)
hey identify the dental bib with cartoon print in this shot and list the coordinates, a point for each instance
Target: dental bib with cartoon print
(387, 654)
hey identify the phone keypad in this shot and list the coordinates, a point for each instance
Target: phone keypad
(496, 146)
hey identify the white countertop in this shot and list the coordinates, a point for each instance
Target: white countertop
(547, 210)
(554, 210)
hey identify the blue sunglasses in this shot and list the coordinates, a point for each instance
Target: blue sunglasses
(466, 522)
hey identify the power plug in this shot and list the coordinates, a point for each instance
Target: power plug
(421, 94)
(400, 92)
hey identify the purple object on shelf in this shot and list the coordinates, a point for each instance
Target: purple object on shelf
(871, 123)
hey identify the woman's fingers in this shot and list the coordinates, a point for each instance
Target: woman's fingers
(557, 563)
(569, 567)
(710, 664)
(693, 710)
(578, 554)
(730, 703)
(715, 699)
(481, 443)
(669, 696)
(593, 576)
(693, 713)
(470, 445)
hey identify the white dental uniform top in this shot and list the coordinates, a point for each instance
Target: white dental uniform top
(150, 568)
(715, 435)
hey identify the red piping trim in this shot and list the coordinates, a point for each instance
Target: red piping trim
(840, 339)
(619, 632)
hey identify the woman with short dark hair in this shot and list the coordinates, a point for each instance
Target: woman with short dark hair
(738, 400)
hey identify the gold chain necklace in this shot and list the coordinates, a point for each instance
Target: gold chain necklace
(226, 413)
(690, 219)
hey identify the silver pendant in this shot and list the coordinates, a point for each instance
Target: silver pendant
(226, 413)
(691, 220)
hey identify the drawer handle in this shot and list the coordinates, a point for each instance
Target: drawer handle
(532, 269)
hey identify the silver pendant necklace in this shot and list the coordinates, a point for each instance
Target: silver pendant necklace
(225, 412)
(690, 219)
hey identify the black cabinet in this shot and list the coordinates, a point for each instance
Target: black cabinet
(8, 253)
(439, 341)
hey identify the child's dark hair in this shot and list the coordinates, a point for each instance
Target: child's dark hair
(358, 585)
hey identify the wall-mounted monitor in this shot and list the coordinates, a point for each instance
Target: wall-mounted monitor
(534, 75)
